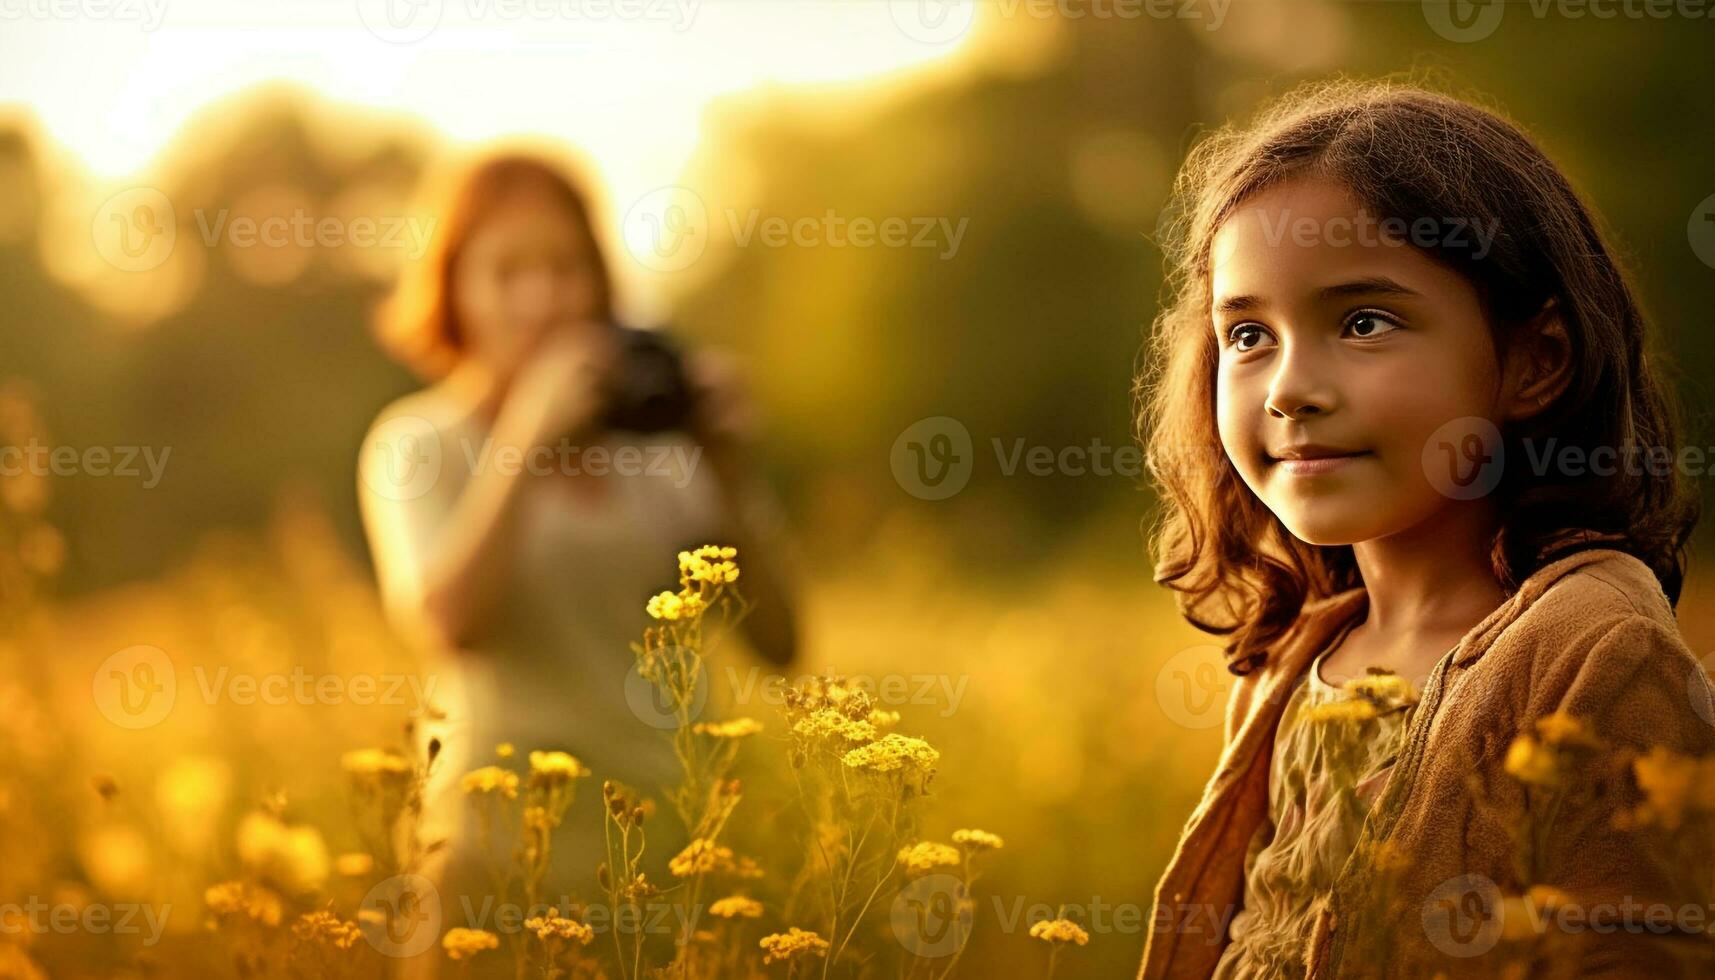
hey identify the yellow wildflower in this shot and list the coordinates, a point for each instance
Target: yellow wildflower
(555, 767)
(1531, 763)
(556, 926)
(1560, 728)
(672, 606)
(883, 719)
(505, 750)
(736, 728)
(1059, 931)
(462, 944)
(237, 897)
(701, 856)
(792, 943)
(323, 926)
(382, 764)
(830, 723)
(709, 564)
(294, 858)
(928, 855)
(1669, 782)
(490, 780)
(893, 752)
(735, 907)
(977, 840)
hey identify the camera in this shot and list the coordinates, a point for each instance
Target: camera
(648, 389)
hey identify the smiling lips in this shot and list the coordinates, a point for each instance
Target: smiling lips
(1309, 459)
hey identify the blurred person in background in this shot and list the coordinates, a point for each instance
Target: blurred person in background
(533, 571)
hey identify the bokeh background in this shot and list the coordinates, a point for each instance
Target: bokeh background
(1047, 135)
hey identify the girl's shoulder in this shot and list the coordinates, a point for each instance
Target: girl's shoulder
(1585, 632)
(436, 406)
(1598, 588)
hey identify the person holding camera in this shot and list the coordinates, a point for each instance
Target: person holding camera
(523, 507)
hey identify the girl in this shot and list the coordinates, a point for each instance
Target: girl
(505, 519)
(1419, 467)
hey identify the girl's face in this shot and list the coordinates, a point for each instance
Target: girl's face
(527, 268)
(1334, 335)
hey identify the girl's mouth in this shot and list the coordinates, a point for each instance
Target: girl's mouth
(1317, 465)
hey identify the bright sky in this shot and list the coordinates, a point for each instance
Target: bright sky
(626, 79)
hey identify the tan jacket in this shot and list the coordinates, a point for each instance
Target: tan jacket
(1590, 635)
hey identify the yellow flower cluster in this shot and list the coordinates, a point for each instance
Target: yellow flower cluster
(1672, 783)
(556, 926)
(462, 944)
(1059, 931)
(710, 564)
(829, 723)
(1537, 760)
(1560, 728)
(792, 943)
(883, 719)
(893, 752)
(736, 907)
(323, 926)
(674, 606)
(928, 855)
(555, 767)
(490, 780)
(701, 856)
(978, 840)
(736, 728)
(380, 764)
(239, 898)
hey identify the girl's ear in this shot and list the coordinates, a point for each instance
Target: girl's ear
(1538, 365)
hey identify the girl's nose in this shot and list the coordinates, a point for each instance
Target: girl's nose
(533, 294)
(1300, 388)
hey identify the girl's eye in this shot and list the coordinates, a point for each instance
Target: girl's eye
(1237, 336)
(1371, 323)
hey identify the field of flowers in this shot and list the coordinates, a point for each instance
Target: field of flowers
(222, 774)
(953, 783)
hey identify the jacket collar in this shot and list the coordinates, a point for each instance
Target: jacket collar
(1354, 603)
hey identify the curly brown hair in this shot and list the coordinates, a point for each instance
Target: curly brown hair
(1405, 152)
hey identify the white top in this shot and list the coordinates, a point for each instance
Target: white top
(550, 671)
